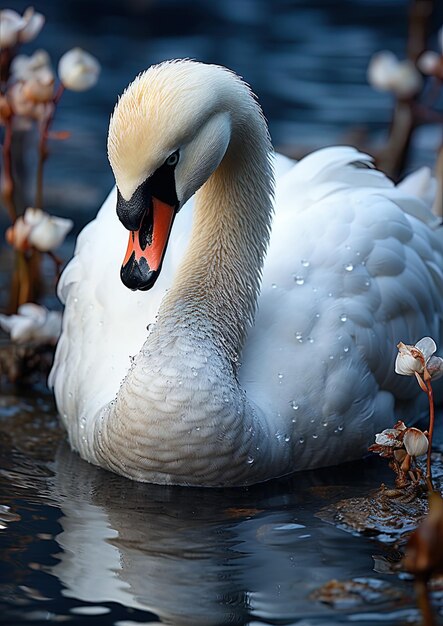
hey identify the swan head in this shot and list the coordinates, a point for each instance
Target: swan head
(169, 132)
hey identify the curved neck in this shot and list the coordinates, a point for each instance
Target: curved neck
(180, 405)
(219, 279)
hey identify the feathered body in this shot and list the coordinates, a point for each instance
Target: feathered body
(179, 384)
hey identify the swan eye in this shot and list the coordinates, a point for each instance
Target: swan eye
(172, 159)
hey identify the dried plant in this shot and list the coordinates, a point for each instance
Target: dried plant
(29, 96)
(415, 84)
(424, 555)
(403, 445)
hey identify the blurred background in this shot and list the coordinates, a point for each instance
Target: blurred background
(305, 59)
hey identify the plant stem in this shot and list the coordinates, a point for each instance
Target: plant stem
(423, 601)
(20, 291)
(42, 156)
(42, 148)
(5, 62)
(24, 281)
(431, 432)
(8, 182)
(406, 118)
(57, 263)
(420, 14)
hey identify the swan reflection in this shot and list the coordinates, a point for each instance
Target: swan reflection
(194, 556)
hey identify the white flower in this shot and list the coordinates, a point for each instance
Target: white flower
(39, 230)
(435, 367)
(36, 74)
(413, 359)
(78, 70)
(415, 442)
(429, 62)
(15, 28)
(24, 106)
(33, 216)
(388, 437)
(382, 67)
(33, 323)
(24, 67)
(41, 88)
(407, 81)
(387, 73)
(47, 231)
(11, 23)
(34, 24)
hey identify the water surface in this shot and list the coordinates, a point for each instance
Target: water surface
(79, 541)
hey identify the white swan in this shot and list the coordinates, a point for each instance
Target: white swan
(352, 267)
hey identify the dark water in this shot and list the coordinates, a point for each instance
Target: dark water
(79, 543)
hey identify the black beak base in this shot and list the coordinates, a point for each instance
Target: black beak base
(131, 212)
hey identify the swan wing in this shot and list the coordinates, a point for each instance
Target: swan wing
(354, 266)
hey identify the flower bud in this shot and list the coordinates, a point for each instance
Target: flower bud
(34, 216)
(388, 438)
(32, 323)
(78, 70)
(25, 67)
(406, 362)
(411, 359)
(435, 367)
(33, 24)
(381, 69)
(429, 62)
(407, 80)
(25, 107)
(47, 232)
(39, 90)
(387, 73)
(11, 23)
(17, 234)
(415, 442)
(16, 29)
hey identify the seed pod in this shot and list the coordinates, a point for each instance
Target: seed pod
(415, 442)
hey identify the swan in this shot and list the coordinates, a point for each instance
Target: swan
(263, 341)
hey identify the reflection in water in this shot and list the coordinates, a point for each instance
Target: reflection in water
(80, 541)
(194, 556)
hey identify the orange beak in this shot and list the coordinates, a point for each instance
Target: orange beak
(146, 247)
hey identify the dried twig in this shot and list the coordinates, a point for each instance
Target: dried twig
(42, 145)
(8, 181)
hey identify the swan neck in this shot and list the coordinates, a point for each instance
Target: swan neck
(181, 405)
(218, 283)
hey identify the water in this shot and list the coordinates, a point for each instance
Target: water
(79, 541)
